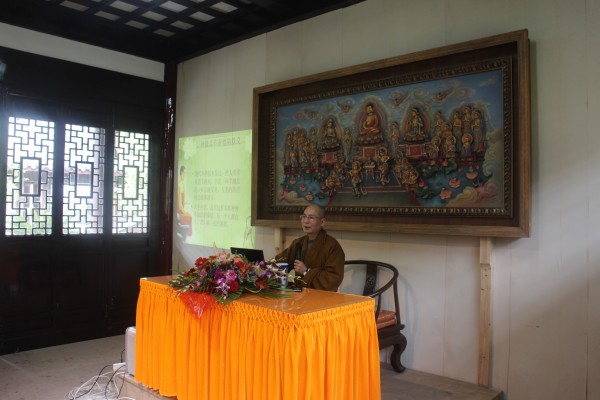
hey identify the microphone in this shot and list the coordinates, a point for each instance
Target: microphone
(298, 252)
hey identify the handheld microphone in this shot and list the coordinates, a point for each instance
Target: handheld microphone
(298, 251)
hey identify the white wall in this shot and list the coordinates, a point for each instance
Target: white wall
(546, 288)
(17, 38)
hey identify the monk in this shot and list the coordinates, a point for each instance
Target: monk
(321, 261)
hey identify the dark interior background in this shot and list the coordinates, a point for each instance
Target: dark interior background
(59, 288)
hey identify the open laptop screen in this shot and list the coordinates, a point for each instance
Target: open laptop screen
(253, 255)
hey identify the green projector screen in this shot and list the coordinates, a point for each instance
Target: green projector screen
(213, 192)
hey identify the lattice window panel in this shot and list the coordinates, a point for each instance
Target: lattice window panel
(83, 185)
(130, 194)
(29, 162)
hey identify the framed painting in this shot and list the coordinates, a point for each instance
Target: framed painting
(434, 142)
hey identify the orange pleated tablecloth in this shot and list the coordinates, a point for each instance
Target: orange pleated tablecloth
(313, 345)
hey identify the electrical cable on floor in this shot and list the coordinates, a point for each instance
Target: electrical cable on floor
(100, 387)
(112, 380)
(77, 394)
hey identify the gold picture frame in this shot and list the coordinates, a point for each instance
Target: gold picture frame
(434, 142)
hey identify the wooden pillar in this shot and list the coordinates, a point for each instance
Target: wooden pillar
(485, 311)
(167, 164)
(279, 238)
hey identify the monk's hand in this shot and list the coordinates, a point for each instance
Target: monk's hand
(300, 267)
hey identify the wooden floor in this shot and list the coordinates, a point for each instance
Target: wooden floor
(409, 385)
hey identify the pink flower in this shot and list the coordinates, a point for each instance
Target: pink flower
(472, 174)
(445, 194)
(454, 183)
(230, 275)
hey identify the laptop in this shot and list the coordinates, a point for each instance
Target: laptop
(252, 255)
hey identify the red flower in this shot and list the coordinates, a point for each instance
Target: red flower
(261, 285)
(200, 261)
(233, 286)
(238, 262)
(244, 269)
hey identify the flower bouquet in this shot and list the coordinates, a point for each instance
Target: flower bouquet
(224, 277)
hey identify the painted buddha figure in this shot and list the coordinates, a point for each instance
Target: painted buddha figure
(370, 131)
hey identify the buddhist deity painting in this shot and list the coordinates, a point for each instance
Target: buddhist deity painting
(434, 142)
(437, 143)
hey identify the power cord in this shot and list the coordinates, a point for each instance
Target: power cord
(112, 380)
(75, 393)
(101, 387)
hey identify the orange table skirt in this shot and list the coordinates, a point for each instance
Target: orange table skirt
(252, 352)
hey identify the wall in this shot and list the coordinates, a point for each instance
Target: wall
(546, 288)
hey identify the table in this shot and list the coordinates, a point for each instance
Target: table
(313, 345)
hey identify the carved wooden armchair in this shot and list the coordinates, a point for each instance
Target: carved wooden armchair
(380, 277)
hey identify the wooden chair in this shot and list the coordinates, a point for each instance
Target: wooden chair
(389, 324)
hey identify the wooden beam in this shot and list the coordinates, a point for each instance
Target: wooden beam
(485, 311)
